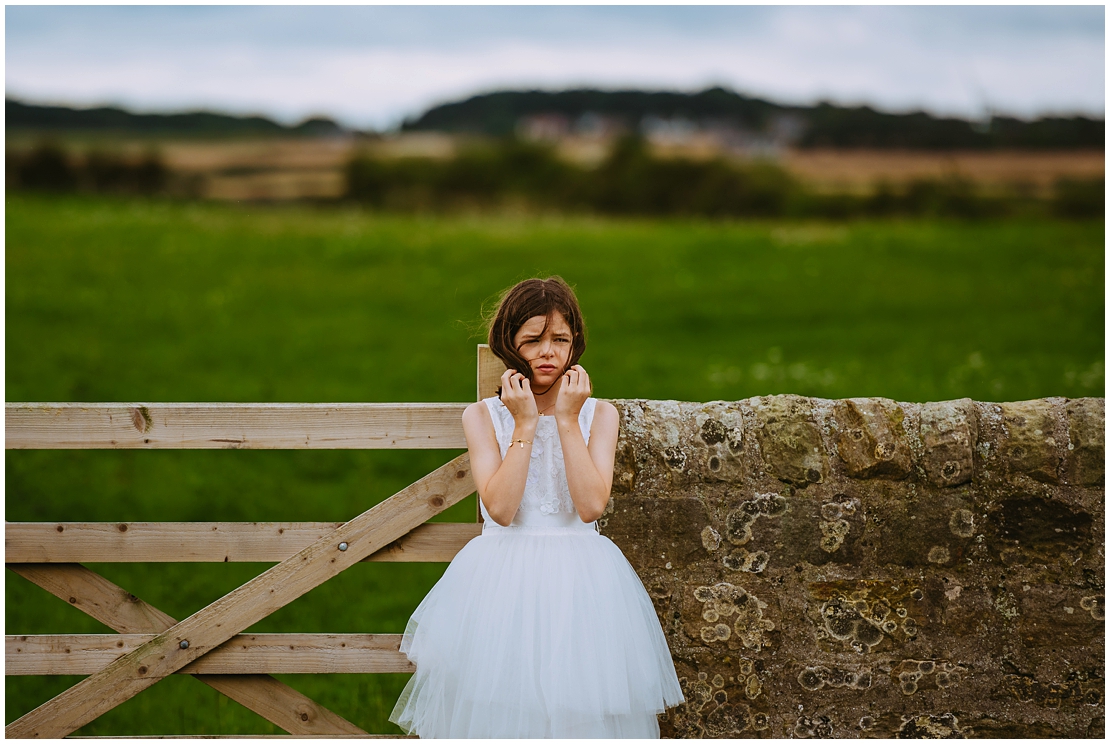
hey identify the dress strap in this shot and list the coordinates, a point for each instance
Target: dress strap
(586, 417)
(496, 412)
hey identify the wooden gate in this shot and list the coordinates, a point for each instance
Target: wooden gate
(149, 644)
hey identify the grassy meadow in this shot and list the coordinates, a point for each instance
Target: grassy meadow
(116, 300)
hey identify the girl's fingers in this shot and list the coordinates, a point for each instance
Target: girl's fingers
(578, 380)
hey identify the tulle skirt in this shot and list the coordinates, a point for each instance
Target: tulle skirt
(537, 634)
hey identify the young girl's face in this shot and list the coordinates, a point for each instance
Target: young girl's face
(546, 351)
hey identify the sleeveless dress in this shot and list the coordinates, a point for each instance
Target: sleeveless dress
(541, 629)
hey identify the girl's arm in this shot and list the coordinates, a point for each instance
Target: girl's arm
(501, 482)
(589, 469)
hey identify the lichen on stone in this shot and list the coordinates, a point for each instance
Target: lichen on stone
(728, 601)
(930, 726)
(739, 521)
(741, 560)
(710, 539)
(833, 534)
(813, 678)
(845, 622)
(816, 727)
(962, 523)
(939, 554)
(1095, 605)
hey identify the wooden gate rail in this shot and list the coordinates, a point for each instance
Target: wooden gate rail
(211, 542)
(209, 644)
(253, 653)
(234, 426)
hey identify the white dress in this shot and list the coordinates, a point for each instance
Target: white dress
(541, 629)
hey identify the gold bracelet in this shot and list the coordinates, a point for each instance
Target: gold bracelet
(522, 442)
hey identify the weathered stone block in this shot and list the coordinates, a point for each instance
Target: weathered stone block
(657, 533)
(960, 609)
(934, 530)
(1031, 445)
(1041, 526)
(872, 440)
(776, 531)
(720, 441)
(634, 446)
(1055, 616)
(863, 615)
(1086, 457)
(789, 439)
(667, 444)
(948, 433)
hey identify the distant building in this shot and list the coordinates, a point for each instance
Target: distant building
(555, 127)
(787, 129)
(599, 126)
(727, 135)
(676, 131)
(543, 127)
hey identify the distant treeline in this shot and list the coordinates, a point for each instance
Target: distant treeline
(633, 182)
(823, 125)
(49, 168)
(630, 181)
(500, 114)
(24, 116)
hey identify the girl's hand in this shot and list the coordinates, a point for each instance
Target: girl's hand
(516, 394)
(574, 388)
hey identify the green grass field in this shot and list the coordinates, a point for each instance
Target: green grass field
(150, 301)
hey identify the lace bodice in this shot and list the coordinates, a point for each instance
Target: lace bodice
(546, 502)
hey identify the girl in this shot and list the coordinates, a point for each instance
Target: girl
(539, 627)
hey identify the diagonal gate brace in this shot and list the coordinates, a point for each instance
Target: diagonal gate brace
(203, 631)
(123, 612)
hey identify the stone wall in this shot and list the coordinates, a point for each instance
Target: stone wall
(867, 568)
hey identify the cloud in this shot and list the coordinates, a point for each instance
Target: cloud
(375, 65)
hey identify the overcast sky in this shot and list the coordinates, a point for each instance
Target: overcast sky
(373, 66)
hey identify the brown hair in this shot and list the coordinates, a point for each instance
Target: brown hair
(528, 299)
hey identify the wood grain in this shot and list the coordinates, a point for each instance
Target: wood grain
(234, 426)
(122, 611)
(97, 597)
(490, 369)
(253, 736)
(203, 631)
(211, 542)
(253, 653)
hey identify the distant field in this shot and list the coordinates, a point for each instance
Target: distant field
(859, 170)
(155, 301)
(284, 168)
